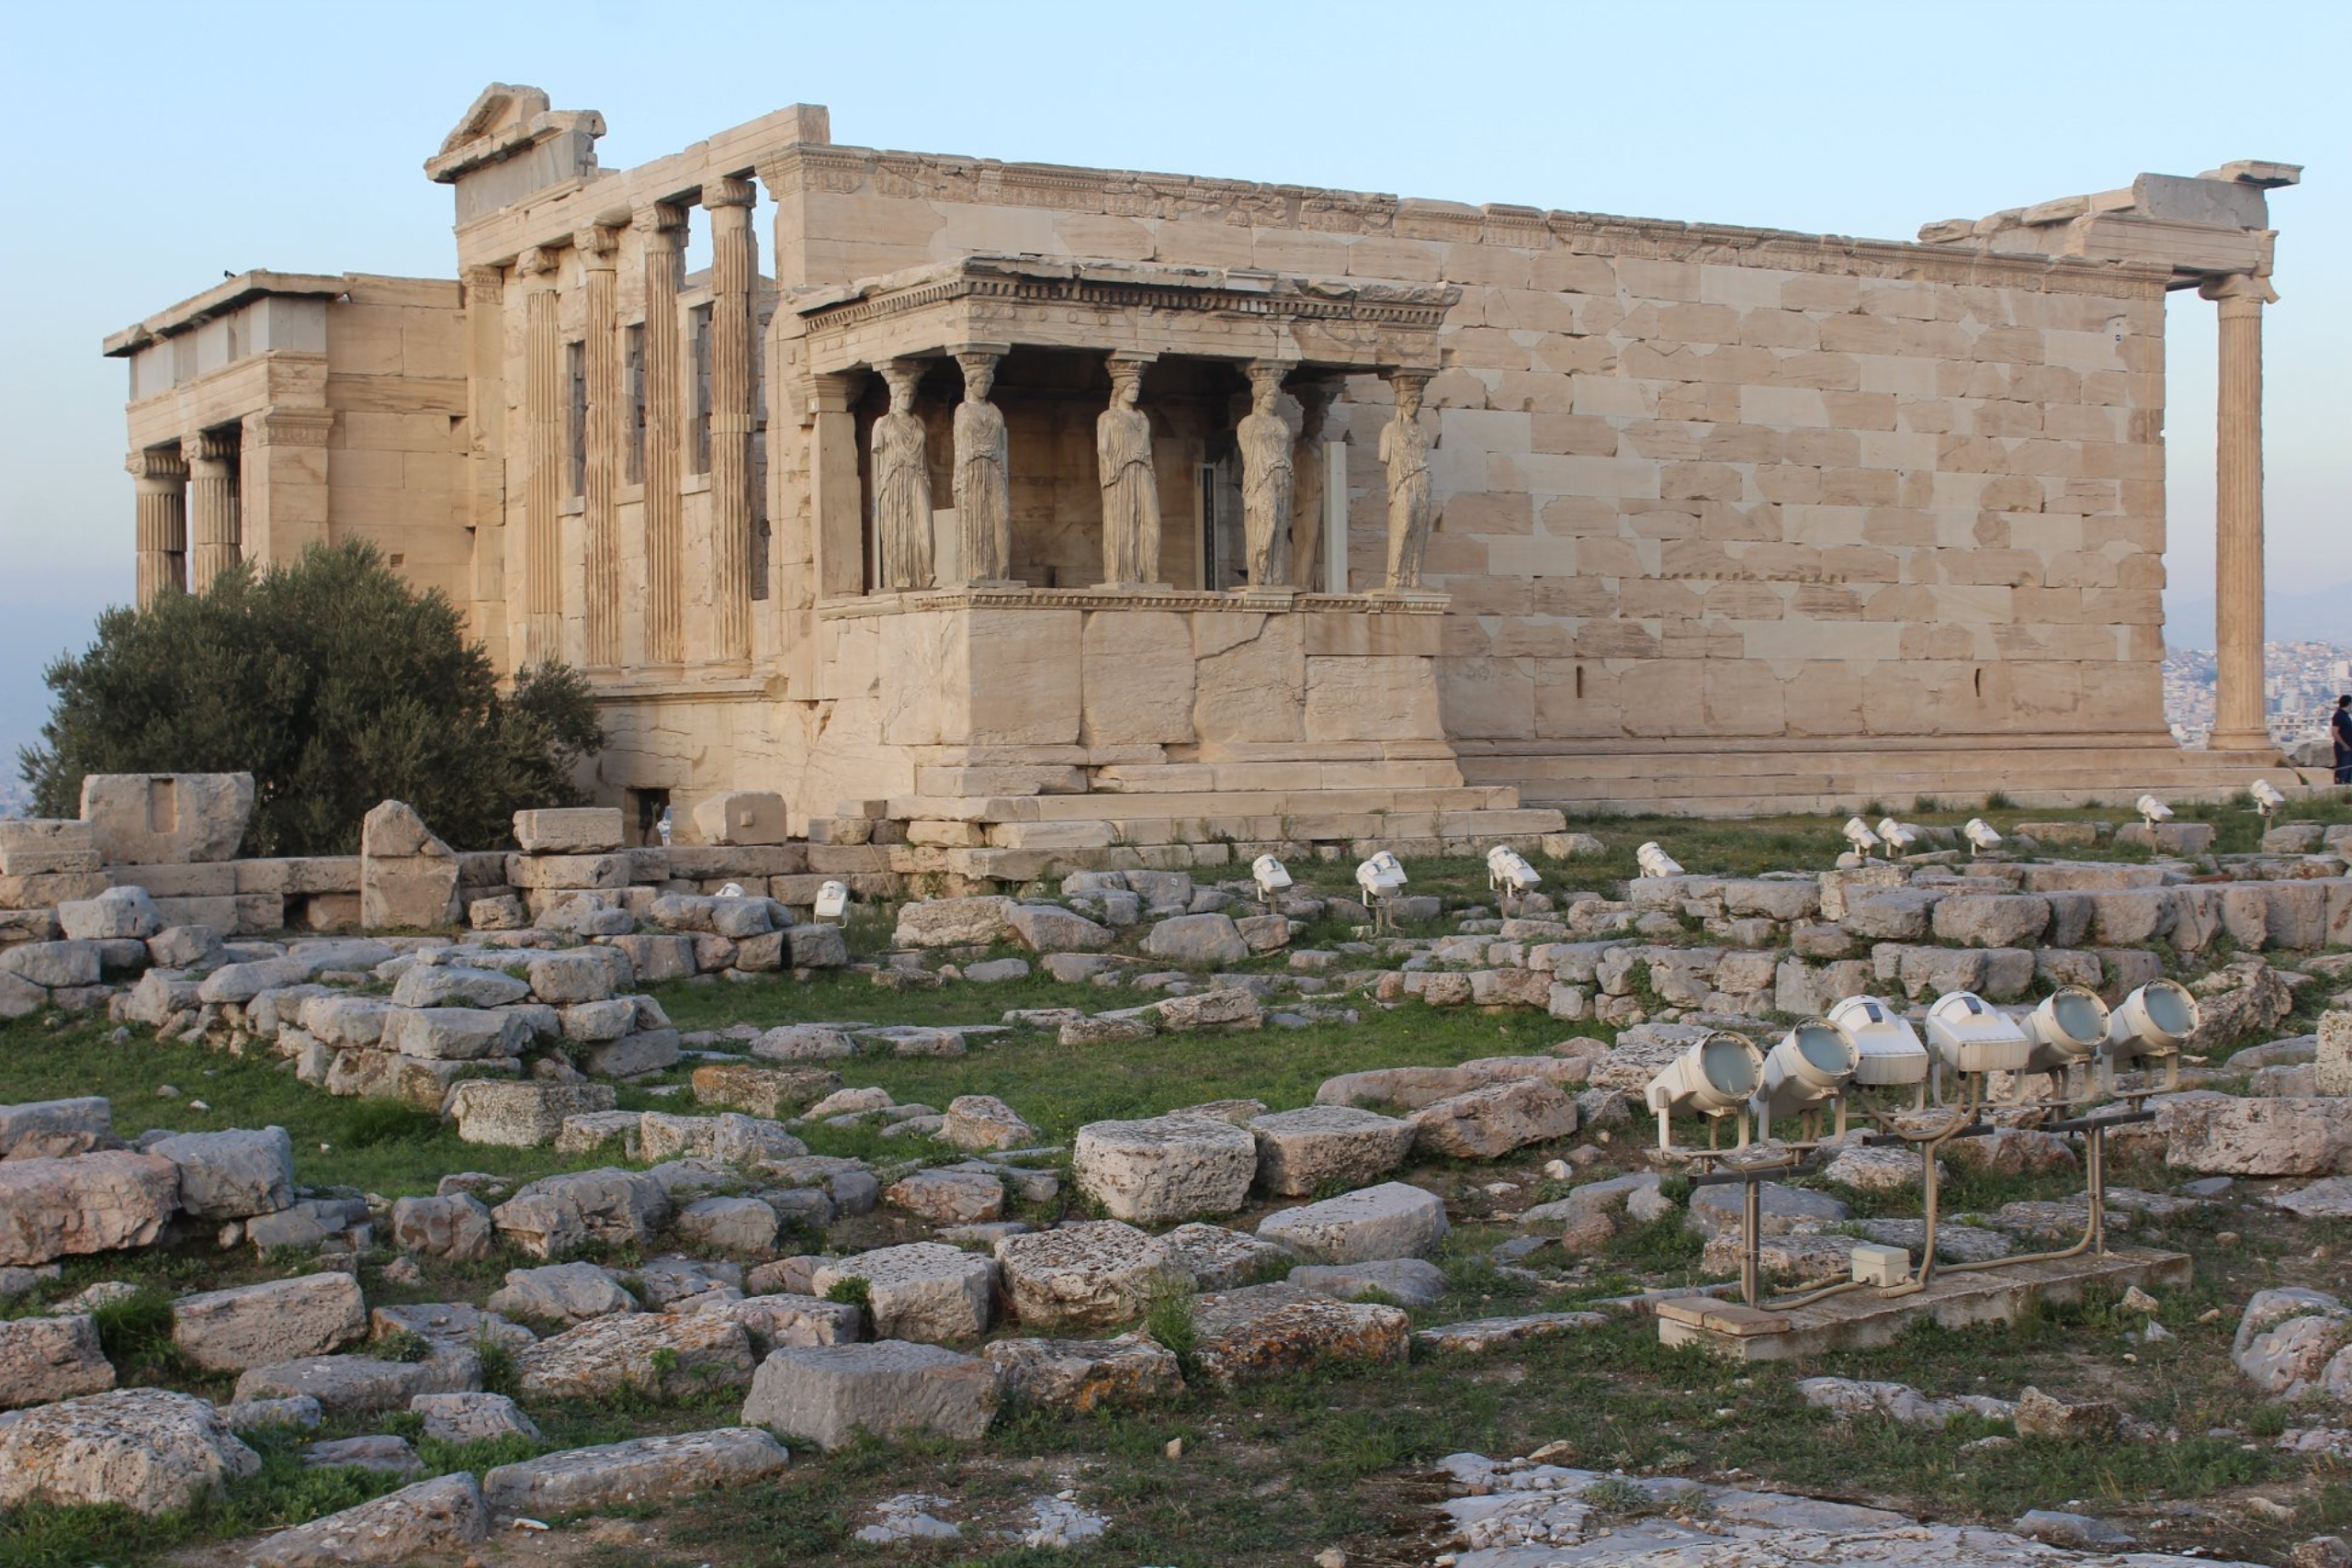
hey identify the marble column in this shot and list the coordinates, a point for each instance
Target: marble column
(2239, 722)
(160, 481)
(486, 444)
(211, 505)
(733, 265)
(599, 249)
(543, 408)
(662, 231)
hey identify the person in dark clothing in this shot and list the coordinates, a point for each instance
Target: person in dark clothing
(2340, 724)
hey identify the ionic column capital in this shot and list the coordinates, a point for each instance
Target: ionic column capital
(484, 281)
(216, 445)
(599, 245)
(729, 192)
(538, 264)
(158, 465)
(663, 222)
(2247, 291)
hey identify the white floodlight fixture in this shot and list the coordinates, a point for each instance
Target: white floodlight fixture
(1859, 834)
(832, 900)
(1510, 875)
(2154, 1020)
(1380, 878)
(1656, 861)
(1714, 1077)
(1967, 1036)
(1980, 835)
(731, 890)
(1899, 838)
(2065, 1030)
(2268, 798)
(2152, 810)
(1811, 1064)
(1270, 876)
(1888, 1053)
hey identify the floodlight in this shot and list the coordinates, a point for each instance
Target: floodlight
(2152, 810)
(1270, 876)
(1887, 1051)
(1714, 1077)
(1899, 838)
(2268, 798)
(1656, 861)
(1510, 875)
(2154, 1020)
(1859, 834)
(1968, 1035)
(1380, 878)
(832, 900)
(2065, 1030)
(1980, 836)
(1813, 1063)
(732, 890)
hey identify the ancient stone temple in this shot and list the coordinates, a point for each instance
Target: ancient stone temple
(1036, 509)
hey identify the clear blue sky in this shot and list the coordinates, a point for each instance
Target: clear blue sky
(150, 147)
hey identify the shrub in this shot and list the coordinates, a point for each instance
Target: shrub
(336, 685)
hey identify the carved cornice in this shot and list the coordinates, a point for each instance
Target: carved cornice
(290, 427)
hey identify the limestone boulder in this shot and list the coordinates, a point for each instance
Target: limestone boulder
(521, 1115)
(116, 915)
(1716, 1210)
(560, 1213)
(1048, 928)
(456, 1227)
(1095, 1274)
(1271, 1330)
(471, 1417)
(47, 1358)
(443, 1515)
(568, 830)
(1217, 1258)
(1487, 1123)
(1405, 1281)
(51, 1129)
(2288, 1338)
(804, 1043)
(745, 1227)
(640, 1471)
(665, 1354)
(566, 1293)
(147, 1449)
(982, 1122)
(361, 1385)
(1991, 920)
(408, 878)
(786, 1318)
(1166, 1169)
(167, 818)
(56, 966)
(279, 1320)
(761, 1091)
(923, 1290)
(1082, 1375)
(827, 1394)
(1302, 1152)
(1220, 1007)
(742, 817)
(1197, 942)
(232, 1174)
(949, 1197)
(954, 923)
(2218, 1134)
(1392, 1219)
(83, 1203)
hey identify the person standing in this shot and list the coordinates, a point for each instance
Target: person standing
(2340, 725)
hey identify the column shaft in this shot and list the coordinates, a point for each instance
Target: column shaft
(664, 235)
(2239, 721)
(211, 505)
(160, 481)
(598, 249)
(542, 487)
(732, 267)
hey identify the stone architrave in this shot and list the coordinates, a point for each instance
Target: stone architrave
(408, 878)
(1306, 503)
(1405, 449)
(902, 484)
(1130, 488)
(1268, 478)
(983, 490)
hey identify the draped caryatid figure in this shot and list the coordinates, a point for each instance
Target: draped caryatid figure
(1268, 480)
(902, 484)
(983, 496)
(1130, 491)
(1405, 448)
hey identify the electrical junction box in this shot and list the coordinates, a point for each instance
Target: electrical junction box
(1875, 1264)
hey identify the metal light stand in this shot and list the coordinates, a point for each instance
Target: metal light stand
(1751, 1210)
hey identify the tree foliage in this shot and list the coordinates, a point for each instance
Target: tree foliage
(336, 685)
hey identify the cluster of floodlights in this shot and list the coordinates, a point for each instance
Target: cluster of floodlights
(1894, 838)
(1865, 1044)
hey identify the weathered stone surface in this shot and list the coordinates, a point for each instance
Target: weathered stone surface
(1095, 1274)
(94, 1203)
(1992, 919)
(301, 1413)
(643, 1470)
(983, 1122)
(744, 1226)
(786, 1319)
(1302, 1150)
(471, 1417)
(1715, 1210)
(2040, 1414)
(56, 966)
(1405, 1282)
(558, 1213)
(521, 1115)
(1084, 1374)
(52, 1129)
(1221, 1007)
(2218, 1134)
(279, 1320)
(761, 1091)
(48, 1358)
(566, 1293)
(408, 878)
(2287, 1338)
(949, 1197)
(146, 1449)
(1392, 1219)
(442, 1514)
(1268, 1330)
(923, 1291)
(804, 1043)
(568, 830)
(1487, 1123)
(663, 1353)
(49, 846)
(117, 914)
(1479, 1336)
(1166, 1169)
(456, 1227)
(954, 923)
(166, 818)
(1046, 928)
(829, 1393)
(357, 1385)
(232, 1174)
(1197, 942)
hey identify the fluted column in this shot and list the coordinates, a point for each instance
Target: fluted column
(2239, 708)
(732, 266)
(599, 251)
(543, 482)
(664, 232)
(160, 481)
(211, 505)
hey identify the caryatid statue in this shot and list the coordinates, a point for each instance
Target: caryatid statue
(902, 484)
(1268, 479)
(1130, 491)
(1405, 448)
(1306, 510)
(983, 495)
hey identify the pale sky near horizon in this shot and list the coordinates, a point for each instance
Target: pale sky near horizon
(155, 147)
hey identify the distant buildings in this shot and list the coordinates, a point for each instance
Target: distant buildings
(2301, 684)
